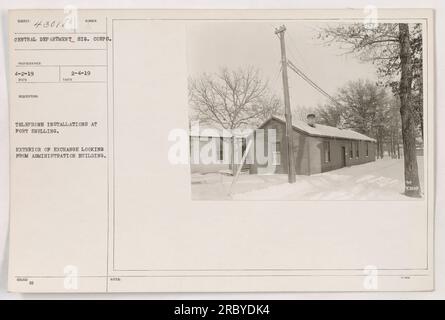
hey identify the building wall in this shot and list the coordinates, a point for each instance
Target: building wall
(315, 155)
(301, 148)
(210, 148)
(336, 153)
(203, 145)
(309, 152)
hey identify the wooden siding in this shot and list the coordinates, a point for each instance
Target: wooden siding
(197, 145)
(336, 153)
(309, 152)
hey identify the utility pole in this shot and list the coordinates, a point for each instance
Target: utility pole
(290, 154)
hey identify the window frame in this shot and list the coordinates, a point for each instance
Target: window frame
(351, 150)
(357, 149)
(243, 146)
(328, 149)
(276, 155)
(221, 149)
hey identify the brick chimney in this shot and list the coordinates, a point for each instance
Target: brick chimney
(311, 119)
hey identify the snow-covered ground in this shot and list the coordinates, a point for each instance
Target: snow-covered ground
(379, 180)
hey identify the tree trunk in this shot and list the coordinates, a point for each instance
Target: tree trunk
(232, 160)
(381, 144)
(412, 185)
(382, 151)
(379, 147)
(393, 148)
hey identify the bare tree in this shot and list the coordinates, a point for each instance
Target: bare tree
(412, 185)
(397, 51)
(394, 127)
(365, 108)
(331, 115)
(232, 99)
(301, 112)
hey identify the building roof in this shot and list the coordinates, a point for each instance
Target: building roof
(204, 131)
(323, 131)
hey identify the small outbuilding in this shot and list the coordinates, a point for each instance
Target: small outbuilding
(215, 150)
(317, 148)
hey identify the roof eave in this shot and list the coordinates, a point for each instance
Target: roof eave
(312, 134)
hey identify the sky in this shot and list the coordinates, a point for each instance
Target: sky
(232, 44)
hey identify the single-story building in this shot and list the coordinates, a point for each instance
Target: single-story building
(212, 149)
(317, 148)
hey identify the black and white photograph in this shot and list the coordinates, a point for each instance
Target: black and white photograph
(306, 110)
(233, 152)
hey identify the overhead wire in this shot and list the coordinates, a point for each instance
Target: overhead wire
(294, 68)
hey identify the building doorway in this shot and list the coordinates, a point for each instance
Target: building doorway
(343, 156)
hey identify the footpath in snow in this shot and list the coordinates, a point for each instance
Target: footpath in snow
(379, 180)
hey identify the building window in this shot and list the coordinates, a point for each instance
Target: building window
(221, 149)
(243, 146)
(351, 151)
(276, 155)
(357, 152)
(367, 148)
(327, 151)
